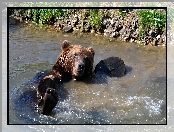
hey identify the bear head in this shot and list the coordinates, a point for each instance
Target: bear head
(76, 59)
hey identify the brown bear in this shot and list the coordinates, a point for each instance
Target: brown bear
(75, 62)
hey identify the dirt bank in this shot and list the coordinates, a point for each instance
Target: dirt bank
(124, 24)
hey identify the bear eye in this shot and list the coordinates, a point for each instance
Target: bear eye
(75, 55)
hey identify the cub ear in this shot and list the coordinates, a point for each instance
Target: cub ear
(90, 49)
(65, 45)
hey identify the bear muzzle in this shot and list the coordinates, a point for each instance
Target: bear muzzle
(79, 69)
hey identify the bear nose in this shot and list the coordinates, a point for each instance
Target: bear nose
(81, 66)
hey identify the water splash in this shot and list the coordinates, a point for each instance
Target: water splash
(152, 105)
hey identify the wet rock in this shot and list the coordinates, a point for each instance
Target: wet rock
(86, 26)
(67, 28)
(112, 66)
(59, 23)
(75, 21)
(104, 22)
(161, 39)
(154, 42)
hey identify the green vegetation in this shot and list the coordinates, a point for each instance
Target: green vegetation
(95, 18)
(43, 16)
(150, 18)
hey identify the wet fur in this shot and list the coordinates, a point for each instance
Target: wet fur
(75, 61)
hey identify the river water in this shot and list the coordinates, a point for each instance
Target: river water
(139, 97)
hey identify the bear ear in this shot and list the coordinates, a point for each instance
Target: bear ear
(65, 45)
(90, 49)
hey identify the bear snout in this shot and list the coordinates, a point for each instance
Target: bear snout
(79, 69)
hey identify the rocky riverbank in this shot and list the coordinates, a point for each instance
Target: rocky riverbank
(114, 23)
